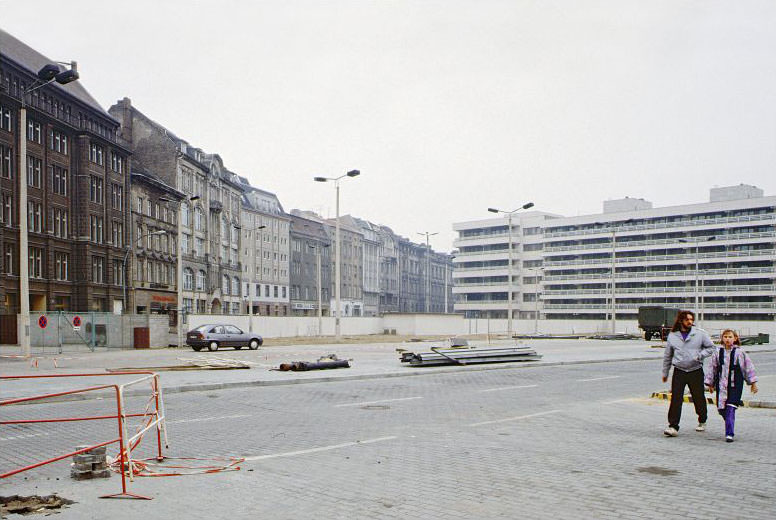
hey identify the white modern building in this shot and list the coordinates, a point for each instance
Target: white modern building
(717, 258)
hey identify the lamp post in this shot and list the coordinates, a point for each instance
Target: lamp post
(48, 74)
(337, 267)
(428, 267)
(536, 270)
(126, 255)
(446, 278)
(613, 268)
(509, 214)
(250, 300)
(697, 242)
(319, 288)
(179, 271)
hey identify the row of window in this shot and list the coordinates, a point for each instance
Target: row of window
(155, 210)
(155, 272)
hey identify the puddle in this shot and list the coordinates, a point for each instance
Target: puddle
(657, 470)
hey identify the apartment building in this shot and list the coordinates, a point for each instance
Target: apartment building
(311, 257)
(265, 253)
(717, 258)
(76, 172)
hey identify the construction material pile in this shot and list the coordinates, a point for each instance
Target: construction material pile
(469, 356)
(323, 363)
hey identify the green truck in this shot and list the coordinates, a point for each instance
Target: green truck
(657, 320)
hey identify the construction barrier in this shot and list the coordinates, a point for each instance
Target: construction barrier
(152, 417)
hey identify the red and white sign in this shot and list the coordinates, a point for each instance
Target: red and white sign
(76, 323)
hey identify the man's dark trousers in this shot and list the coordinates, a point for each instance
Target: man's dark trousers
(694, 380)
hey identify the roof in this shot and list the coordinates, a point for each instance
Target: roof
(30, 59)
(154, 180)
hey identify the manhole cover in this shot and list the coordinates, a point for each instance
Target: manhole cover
(33, 504)
(376, 407)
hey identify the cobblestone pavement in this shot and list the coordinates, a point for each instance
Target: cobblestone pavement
(578, 441)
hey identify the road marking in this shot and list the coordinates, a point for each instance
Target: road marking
(597, 379)
(508, 388)
(628, 400)
(322, 448)
(377, 402)
(203, 419)
(514, 418)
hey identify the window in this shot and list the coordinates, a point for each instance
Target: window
(6, 162)
(6, 119)
(33, 131)
(117, 233)
(118, 272)
(34, 168)
(266, 291)
(58, 222)
(140, 205)
(284, 292)
(58, 179)
(185, 214)
(231, 329)
(116, 162)
(7, 209)
(8, 259)
(96, 154)
(58, 141)
(36, 262)
(198, 219)
(95, 189)
(235, 308)
(275, 291)
(185, 243)
(117, 196)
(225, 284)
(200, 280)
(35, 216)
(236, 286)
(95, 229)
(199, 248)
(98, 269)
(188, 279)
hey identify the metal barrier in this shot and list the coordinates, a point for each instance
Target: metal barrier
(155, 419)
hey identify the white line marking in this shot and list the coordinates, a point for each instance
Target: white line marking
(377, 402)
(630, 399)
(596, 379)
(508, 388)
(202, 419)
(322, 448)
(25, 436)
(514, 418)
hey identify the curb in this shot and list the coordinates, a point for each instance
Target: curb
(666, 396)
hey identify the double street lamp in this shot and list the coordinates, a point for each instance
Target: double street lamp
(318, 248)
(48, 74)
(509, 214)
(613, 267)
(697, 243)
(428, 266)
(337, 267)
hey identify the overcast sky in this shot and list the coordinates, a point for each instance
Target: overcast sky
(447, 107)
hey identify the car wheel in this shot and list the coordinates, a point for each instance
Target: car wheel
(254, 344)
(213, 346)
(237, 347)
(197, 349)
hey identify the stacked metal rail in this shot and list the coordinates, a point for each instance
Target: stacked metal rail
(469, 356)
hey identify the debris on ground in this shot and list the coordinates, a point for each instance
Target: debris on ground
(466, 356)
(20, 505)
(540, 335)
(323, 363)
(201, 363)
(89, 464)
(616, 336)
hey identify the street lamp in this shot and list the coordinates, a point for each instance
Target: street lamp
(250, 300)
(126, 255)
(179, 270)
(612, 275)
(450, 260)
(351, 173)
(509, 214)
(48, 74)
(536, 270)
(428, 266)
(320, 289)
(697, 242)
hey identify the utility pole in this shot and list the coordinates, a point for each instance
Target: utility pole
(428, 267)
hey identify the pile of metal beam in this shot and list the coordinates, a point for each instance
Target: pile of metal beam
(469, 356)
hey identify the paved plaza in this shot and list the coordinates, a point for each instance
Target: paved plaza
(574, 437)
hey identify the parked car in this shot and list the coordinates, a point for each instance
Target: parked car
(219, 335)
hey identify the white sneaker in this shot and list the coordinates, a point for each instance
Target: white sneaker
(729, 438)
(701, 427)
(670, 432)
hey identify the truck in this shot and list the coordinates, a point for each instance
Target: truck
(657, 320)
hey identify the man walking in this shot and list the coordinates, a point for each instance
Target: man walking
(686, 347)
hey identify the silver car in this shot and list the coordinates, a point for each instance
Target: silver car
(219, 335)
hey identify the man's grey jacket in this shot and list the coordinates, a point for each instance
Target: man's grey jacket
(687, 354)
